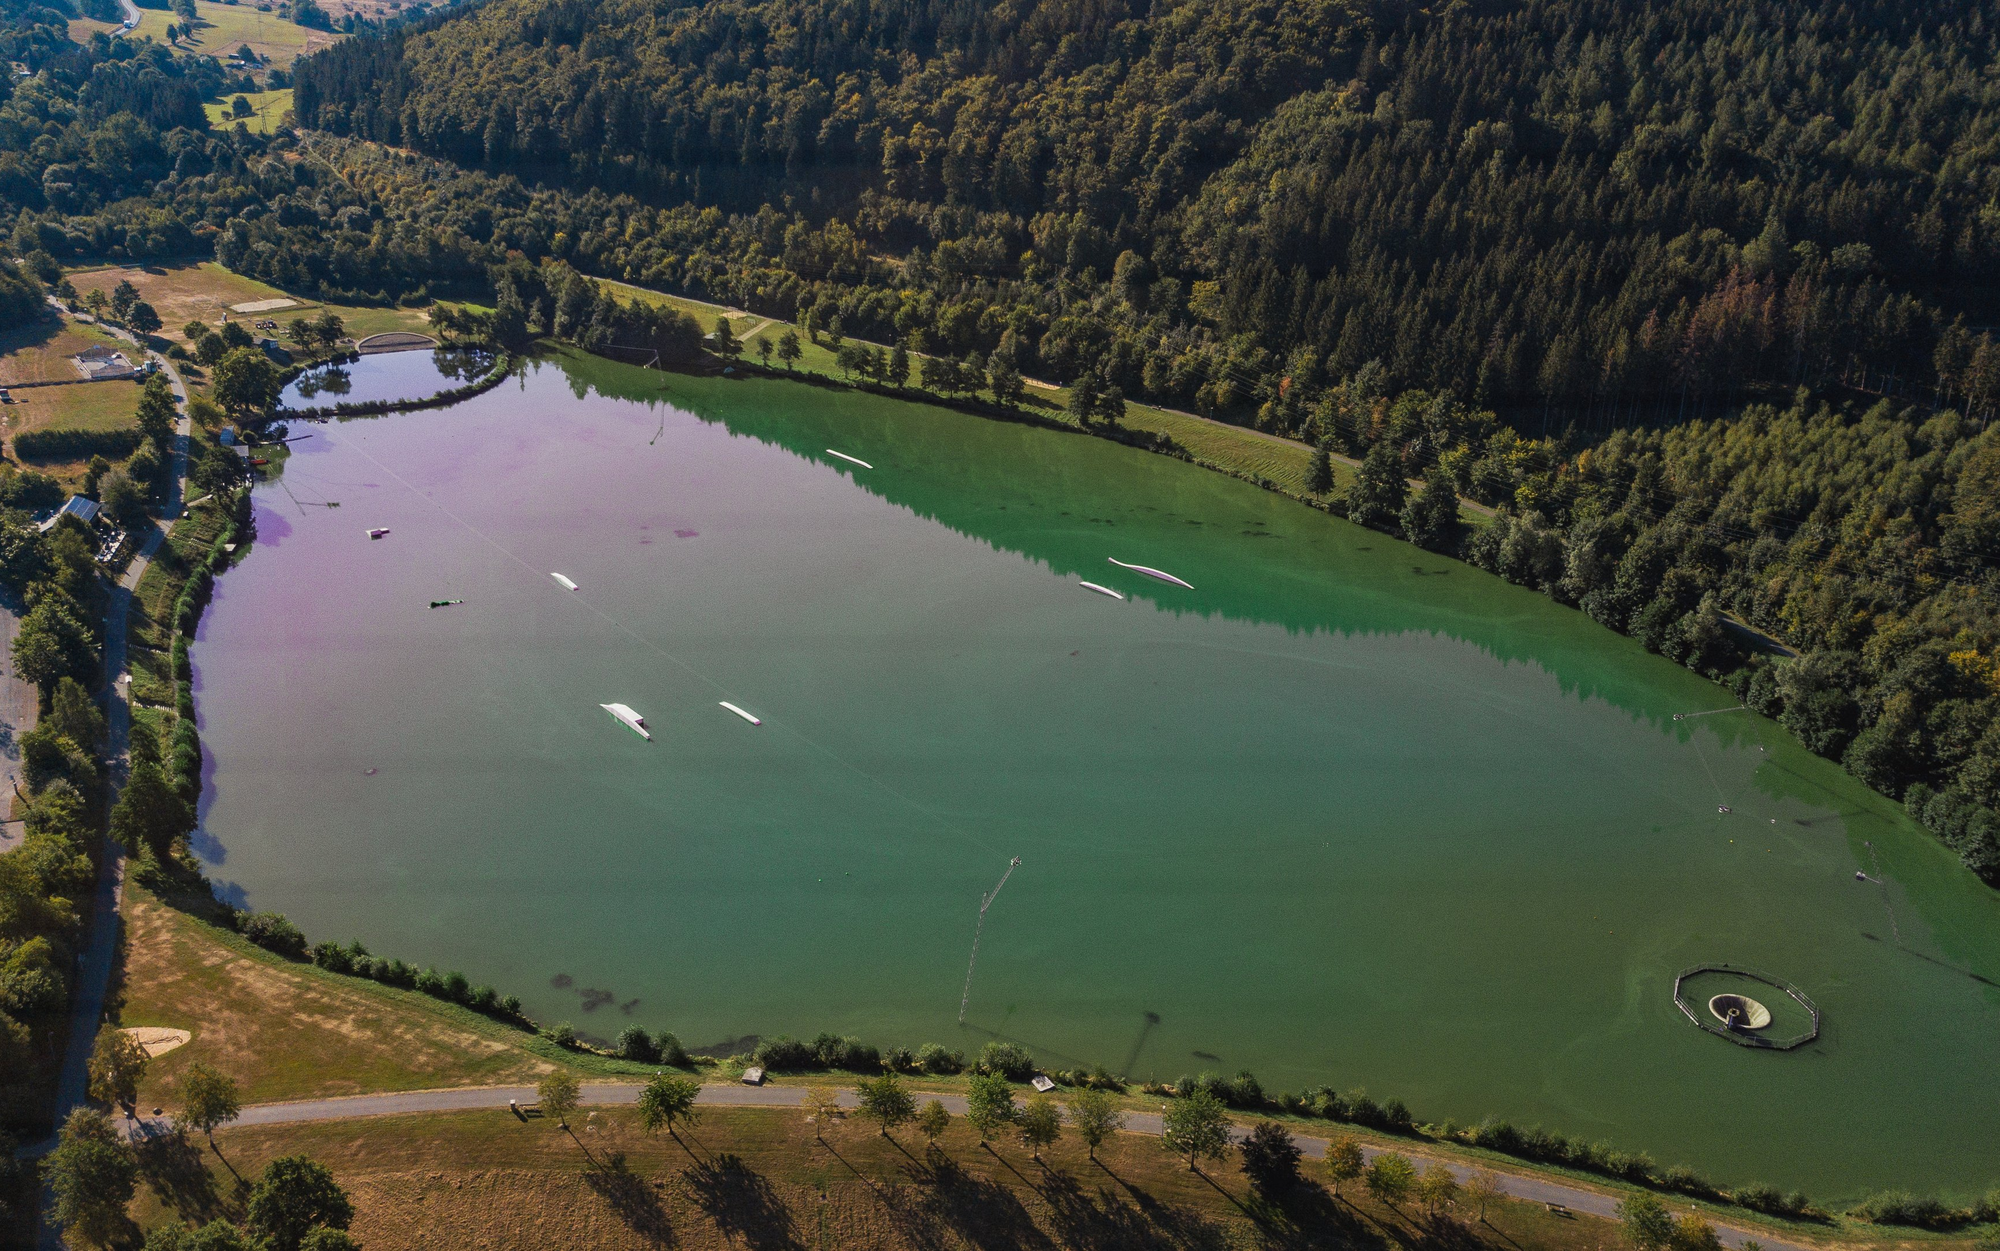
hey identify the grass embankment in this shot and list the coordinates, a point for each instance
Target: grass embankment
(267, 111)
(757, 1177)
(287, 1030)
(1235, 450)
(220, 29)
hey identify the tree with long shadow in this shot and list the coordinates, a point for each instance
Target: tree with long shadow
(1196, 1127)
(667, 1102)
(558, 1094)
(1095, 1117)
(885, 1101)
(208, 1100)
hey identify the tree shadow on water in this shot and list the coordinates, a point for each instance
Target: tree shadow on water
(176, 1171)
(742, 1203)
(633, 1199)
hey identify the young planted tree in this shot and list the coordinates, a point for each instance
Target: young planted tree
(822, 1105)
(899, 365)
(1437, 1189)
(1271, 1159)
(208, 1100)
(1693, 1233)
(1391, 1177)
(1648, 1224)
(764, 352)
(117, 1063)
(989, 1103)
(1197, 1127)
(296, 1197)
(885, 1101)
(1482, 1188)
(933, 1121)
(1344, 1162)
(1039, 1123)
(1083, 395)
(789, 350)
(667, 1102)
(93, 1175)
(1095, 1116)
(559, 1093)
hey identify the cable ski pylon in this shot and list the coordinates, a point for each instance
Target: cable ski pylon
(985, 902)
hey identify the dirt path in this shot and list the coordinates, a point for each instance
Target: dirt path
(1519, 1186)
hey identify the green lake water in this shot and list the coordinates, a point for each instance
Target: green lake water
(1345, 813)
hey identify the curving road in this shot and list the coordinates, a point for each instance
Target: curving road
(1531, 1189)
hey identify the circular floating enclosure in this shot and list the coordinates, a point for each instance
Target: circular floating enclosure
(1738, 1017)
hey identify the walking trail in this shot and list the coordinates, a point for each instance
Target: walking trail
(1578, 1199)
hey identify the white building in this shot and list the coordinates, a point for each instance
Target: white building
(100, 362)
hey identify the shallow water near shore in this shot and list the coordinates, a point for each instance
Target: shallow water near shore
(1345, 813)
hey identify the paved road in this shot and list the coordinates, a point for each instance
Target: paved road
(1533, 1189)
(94, 967)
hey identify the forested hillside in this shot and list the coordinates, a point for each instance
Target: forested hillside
(1611, 207)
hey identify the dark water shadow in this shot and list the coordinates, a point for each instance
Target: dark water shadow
(1981, 978)
(743, 1203)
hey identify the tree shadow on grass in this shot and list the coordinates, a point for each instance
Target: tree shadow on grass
(633, 1199)
(742, 1203)
(954, 1208)
(1098, 1219)
(176, 1170)
(1309, 1217)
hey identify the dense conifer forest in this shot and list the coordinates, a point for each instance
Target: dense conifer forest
(1697, 295)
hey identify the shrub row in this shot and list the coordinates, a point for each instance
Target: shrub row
(634, 1043)
(274, 932)
(76, 444)
(1899, 1207)
(184, 760)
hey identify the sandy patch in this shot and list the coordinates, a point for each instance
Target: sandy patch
(262, 306)
(157, 1040)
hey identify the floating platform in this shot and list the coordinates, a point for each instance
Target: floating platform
(739, 712)
(565, 583)
(844, 456)
(1101, 590)
(374, 533)
(632, 720)
(1150, 572)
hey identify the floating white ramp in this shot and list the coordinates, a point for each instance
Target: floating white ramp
(1162, 575)
(566, 584)
(739, 712)
(844, 456)
(633, 721)
(375, 532)
(1101, 590)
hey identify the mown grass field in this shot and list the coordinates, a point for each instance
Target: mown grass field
(760, 1178)
(205, 291)
(42, 352)
(220, 29)
(267, 110)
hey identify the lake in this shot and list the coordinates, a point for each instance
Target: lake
(1346, 812)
